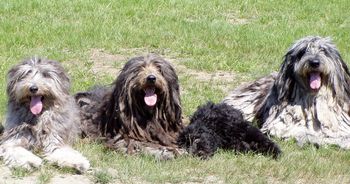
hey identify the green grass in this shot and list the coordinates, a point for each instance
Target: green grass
(19, 172)
(103, 177)
(247, 38)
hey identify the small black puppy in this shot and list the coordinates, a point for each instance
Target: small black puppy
(215, 126)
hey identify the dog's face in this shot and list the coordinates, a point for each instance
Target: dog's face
(148, 82)
(312, 62)
(37, 83)
(311, 69)
(199, 141)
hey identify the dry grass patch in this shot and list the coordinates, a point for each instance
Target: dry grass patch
(106, 63)
(235, 19)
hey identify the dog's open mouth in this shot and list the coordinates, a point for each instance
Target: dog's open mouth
(315, 81)
(150, 96)
(36, 104)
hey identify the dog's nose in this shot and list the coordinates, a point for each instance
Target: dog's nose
(314, 63)
(151, 79)
(33, 89)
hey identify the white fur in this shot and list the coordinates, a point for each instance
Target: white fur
(16, 156)
(68, 157)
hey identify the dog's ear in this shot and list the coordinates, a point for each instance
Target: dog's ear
(110, 123)
(341, 77)
(285, 81)
(11, 80)
(174, 108)
(175, 101)
(178, 109)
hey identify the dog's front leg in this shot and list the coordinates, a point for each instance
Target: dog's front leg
(14, 155)
(66, 156)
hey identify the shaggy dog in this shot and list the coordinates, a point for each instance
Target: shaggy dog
(141, 112)
(215, 126)
(308, 99)
(41, 115)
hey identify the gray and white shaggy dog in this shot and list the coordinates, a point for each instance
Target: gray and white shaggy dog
(308, 99)
(140, 112)
(41, 117)
(220, 126)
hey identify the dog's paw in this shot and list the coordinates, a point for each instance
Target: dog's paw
(274, 150)
(166, 154)
(160, 153)
(68, 157)
(20, 157)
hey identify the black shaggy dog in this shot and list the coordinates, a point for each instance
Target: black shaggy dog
(140, 112)
(215, 126)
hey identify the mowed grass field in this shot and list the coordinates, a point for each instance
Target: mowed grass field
(214, 45)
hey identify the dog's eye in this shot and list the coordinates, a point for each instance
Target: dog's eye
(326, 52)
(46, 74)
(300, 54)
(24, 74)
(159, 68)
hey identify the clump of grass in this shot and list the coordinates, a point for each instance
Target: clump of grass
(45, 176)
(19, 172)
(102, 176)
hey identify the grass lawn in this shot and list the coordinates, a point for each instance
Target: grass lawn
(214, 45)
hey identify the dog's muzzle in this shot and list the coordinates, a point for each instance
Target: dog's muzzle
(315, 63)
(33, 89)
(151, 79)
(315, 74)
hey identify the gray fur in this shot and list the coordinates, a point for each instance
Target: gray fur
(53, 130)
(284, 105)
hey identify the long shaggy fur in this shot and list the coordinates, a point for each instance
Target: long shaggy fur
(308, 99)
(41, 116)
(141, 110)
(215, 126)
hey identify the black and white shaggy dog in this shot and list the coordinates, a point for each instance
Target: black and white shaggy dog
(308, 99)
(140, 112)
(41, 117)
(215, 126)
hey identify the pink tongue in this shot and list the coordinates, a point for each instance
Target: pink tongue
(150, 97)
(36, 105)
(315, 80)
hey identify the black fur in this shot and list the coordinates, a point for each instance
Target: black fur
(215, 126)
